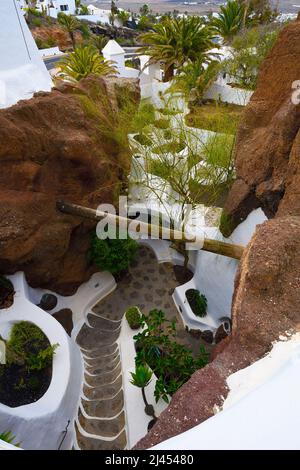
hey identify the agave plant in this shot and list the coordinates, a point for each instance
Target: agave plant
(70, 24)
(177, 41)
(84, 61)
(231, 19)
(141, 378)
(8, 437)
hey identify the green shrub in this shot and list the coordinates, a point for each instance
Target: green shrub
(42, 359)
(133, 317)
(197, 301)
(37, 22)
(114, 256)
(172, 362)
(162, 123)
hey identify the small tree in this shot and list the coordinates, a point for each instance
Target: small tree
(84, 61)
(123, 16)
(70, 24)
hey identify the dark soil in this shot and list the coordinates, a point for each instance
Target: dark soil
(182, 275)
(7, 293)
(64, 317)
(19, 387)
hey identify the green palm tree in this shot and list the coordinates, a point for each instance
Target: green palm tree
(123, 16)
(98, 41)
(70, 24)
(231, 19)
(141, 378)
(84, 61)
(176, 41)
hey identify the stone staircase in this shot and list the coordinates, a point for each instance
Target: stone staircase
(100, 424)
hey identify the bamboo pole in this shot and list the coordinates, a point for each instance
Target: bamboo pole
(207, 244)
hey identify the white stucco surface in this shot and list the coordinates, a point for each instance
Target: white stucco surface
(22, 71)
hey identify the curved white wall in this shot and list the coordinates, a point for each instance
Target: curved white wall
(40, 425)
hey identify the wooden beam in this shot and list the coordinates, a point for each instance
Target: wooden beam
(207, 244)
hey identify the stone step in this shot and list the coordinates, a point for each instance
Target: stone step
(102, 312)
(103, 368)
(100, 351)
(101, 360)
(103, 378)
(103, 392)
(103, 323)
(92, 337)
(92, 443)
(104, 408)
(102, 427)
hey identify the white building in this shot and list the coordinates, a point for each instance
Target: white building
(53, 7)
(22, 71)
(98, 15)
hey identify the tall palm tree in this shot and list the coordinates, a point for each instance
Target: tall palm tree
(176, 41)
(231, 19)
(70, 24)
(84, 61)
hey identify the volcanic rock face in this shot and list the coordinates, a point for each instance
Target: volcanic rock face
(267, 148)
(266, 304)
(59, 146)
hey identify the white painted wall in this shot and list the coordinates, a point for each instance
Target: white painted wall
(228, 94)
(59, 6)
(22, 71)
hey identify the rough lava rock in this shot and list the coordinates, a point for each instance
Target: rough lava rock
(267, 149)
(58, 146)
(266, 304)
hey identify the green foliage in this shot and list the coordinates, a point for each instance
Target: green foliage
(98, 41)
(27, 345)
(226, 224)
(171, 147)
(142, 376)
(215, 116)
(34, 12)
(194, 79)
(197, 301)
(8, 437)
(143, 139)
(84, 61)
(133, 317)
(249, 51)
(85, 31)
(42, 359)
(113, 255)
(172, 362)
(70, 24)
(177, 41)
(145, 23)
(123, 16)
(230, 20)
(162, 123)
(144, 117)
(36, 22)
